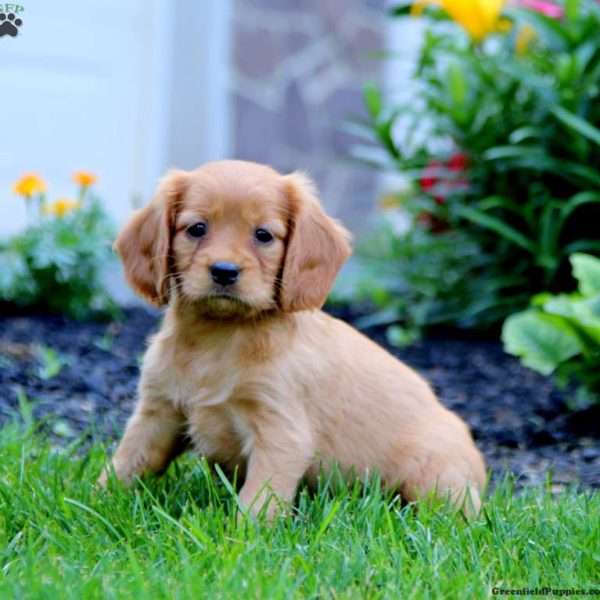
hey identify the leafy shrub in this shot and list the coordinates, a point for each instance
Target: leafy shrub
(561, 334)
(425, 278)
(502, 147)
(55, 264)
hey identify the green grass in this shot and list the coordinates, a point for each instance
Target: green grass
(177, 537)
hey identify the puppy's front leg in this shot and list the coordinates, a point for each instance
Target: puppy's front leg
(275, 468)
(152, 438)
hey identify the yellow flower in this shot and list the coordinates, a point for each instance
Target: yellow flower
(525, 36)
(61, 207)
(478, 17)
(84, 178)
(388, 201)
(28, 185)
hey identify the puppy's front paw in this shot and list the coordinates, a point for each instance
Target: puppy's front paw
(102, 481)
(121, 474)
(268, 507)
(105, 476)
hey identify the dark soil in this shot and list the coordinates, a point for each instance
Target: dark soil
(518, 417)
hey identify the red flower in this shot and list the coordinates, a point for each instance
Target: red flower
(440, 184)
(432, 223)
(458, 162)
(439, 180)
(431, 178)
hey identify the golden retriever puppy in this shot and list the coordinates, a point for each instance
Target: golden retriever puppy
(248, 367)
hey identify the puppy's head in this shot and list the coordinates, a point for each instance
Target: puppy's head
(233, 238)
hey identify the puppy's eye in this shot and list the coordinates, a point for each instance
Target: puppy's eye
(263, 236)
(197, 230)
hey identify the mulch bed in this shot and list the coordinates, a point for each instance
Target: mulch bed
(518, 417)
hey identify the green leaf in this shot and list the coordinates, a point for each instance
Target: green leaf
(572, 10)
(577, 123)
(578, 200)
(549, 28)
(586, 269)
(402, 10)
(492, 202)
(497, 226)
(385, 316)
(542, 341)
(549, 231)
(523, 133)
(582, 315)
(536, 158)
(457, 84)
(582, 246)
(372, 98)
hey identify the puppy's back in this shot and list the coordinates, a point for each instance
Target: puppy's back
(373, 412)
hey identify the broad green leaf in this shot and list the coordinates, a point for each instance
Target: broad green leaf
(586, 269)
(541, 341)
(582, 315)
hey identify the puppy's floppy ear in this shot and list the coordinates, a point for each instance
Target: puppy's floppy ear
(317, 247)
(144, 244)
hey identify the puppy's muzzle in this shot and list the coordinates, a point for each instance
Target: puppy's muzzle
(225, 273)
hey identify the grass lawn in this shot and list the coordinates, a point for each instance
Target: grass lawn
(177, 537)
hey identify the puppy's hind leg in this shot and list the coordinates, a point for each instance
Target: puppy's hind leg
(153, 437)
(460, 480)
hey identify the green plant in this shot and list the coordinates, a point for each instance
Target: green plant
(561, 334)
(177, 537)
(423, 279)
(502, 145)
(51, 362)
(56, 262)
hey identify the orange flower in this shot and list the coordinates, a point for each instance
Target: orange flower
(28, 185)
(61, 207)
(84, 178)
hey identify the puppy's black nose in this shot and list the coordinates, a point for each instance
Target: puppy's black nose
(224, 273)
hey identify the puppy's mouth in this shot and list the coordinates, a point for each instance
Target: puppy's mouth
(223, 303)
(224, 293)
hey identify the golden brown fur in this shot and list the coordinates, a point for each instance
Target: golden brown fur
(255, 374)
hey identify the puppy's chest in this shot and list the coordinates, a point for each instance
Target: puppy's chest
(216, 409)
(202, 381)
(212, 372)
(209, 399)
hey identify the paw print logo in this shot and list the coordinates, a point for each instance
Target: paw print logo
(9, 24)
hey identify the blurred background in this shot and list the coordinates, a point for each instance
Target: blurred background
(129, 89)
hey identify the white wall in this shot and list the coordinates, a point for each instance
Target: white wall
(124, 89)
